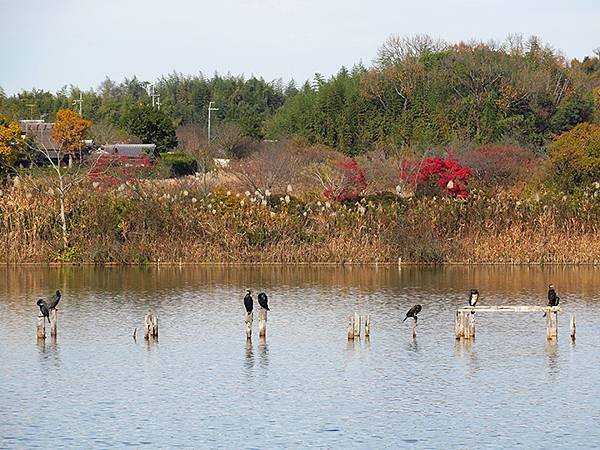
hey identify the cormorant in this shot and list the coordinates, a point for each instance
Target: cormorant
(473, 297)
(44, 308)
(412, 312)
(248, 301)
(54, 300)
(553, 299)
(262, 301)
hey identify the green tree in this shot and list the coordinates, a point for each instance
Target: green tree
(150, 125)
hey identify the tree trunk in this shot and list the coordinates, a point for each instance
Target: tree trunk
(63, 219)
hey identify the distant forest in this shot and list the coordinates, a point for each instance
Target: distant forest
(419, 92)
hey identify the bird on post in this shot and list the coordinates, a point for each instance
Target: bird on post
(553, 299)
(54, 300)
(263, 301)
(248, 301)
(412, 312)
(44, 308)
(473, 297)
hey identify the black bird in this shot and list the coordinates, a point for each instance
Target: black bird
(44, 308)
(248, 301)
(412, 312)
(473, 297)
(262, 301)
(54, 300)
(553, 299)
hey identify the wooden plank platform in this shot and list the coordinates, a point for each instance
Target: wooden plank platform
(508, 308)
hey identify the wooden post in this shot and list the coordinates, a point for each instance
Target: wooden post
(458, 324)
(41, 327)
(414, 331)
(552, 322)
(249, 319)
(356, 326)
(350, 327)
(468, 325)
(53, 322)
(262, 322)
(573, 326)
(150, 326)
(367, 326)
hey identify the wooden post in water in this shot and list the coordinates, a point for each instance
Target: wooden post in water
(53, 322)
(41, 327)
(249, 319)
(262, 322)
(350, 327)
(150, 326)
(367, 326)
(552, 324)
(356, 326)
(458, 324)
(573, 326)
(468, 325)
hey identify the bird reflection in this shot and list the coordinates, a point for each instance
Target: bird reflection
(249, 360)
(263, 352)
(552, 352)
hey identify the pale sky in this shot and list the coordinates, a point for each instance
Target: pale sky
(47, 44)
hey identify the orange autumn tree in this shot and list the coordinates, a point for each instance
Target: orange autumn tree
(11, 143)
(70, 129)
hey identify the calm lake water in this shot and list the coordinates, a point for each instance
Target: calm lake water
(201, 385)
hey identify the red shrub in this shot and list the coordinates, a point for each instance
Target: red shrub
(348, 182)
(445, 173)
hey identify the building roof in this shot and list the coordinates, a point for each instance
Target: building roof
(40, 132)
(129, 149)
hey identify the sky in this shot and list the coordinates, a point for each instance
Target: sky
(49, 44)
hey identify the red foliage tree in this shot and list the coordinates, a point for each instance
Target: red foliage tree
(348, 181)
(445, 173)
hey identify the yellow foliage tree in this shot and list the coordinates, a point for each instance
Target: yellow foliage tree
(11, 143)
(70, 129)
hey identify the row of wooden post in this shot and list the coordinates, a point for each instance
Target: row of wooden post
(354, 326)
(262, 323)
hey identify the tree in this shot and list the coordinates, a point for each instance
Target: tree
(11, 144)
(70, 130)
(575, 157)
(152, 126)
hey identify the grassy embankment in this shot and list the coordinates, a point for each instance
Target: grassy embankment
(173, 221)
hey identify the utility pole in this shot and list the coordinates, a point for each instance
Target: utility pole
(31, 107)
(80, 101)
(210, 108)
(155, 97)
(158, 102)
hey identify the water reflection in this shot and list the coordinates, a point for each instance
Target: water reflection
(249, 357)
(552, 352)
(263, 352)
(413, 346)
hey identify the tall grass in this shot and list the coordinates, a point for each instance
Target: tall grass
(177, 221)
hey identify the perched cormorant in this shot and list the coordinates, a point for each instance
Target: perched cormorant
(54, 300)
(248, 301)
(553, 299)
(412, 312)
(473, 297)
(44, 308)
(262, 301)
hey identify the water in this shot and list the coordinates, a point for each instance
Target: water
(202, 386)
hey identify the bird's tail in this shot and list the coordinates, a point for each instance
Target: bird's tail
(405, 319)
(48, 317)
(544, 315)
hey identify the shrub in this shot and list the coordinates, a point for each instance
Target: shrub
(500, 165)
(436, 174)
(575, 157)
(342, 180)
(179, 164)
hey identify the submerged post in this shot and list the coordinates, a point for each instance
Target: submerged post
(249, 319)
(350, 327)
(552, 322)
(458, 324)
(41, 327)
(53, 322)
(367, 326)
(573, 326)
(356, 326)
(262, 322)
(150, 326)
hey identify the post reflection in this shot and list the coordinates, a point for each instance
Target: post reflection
(249, 357)
(552, 353)
(263, 352)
